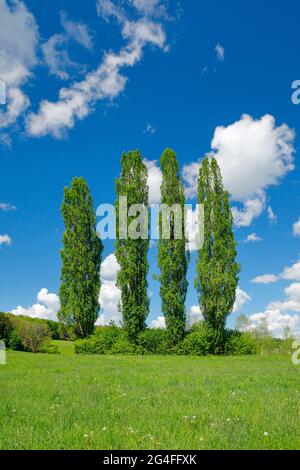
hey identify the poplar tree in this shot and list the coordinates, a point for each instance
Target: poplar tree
(173, 256)
(131, 253)
(217, 269)
(81, 260)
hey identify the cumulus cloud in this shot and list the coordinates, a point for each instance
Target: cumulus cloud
(154, 181)
(105, 83)
(19, 39)
(289, 273)
(159, 322)
(46, 308)
(5, 240)
(194, 315)
(220, 52)
(252, 238)
(276, 321)
(296, 228)
(265, 279)
(240, 299)
(280, 314)
(253, 154)
(110, 294)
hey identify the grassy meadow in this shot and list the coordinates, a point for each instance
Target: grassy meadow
(148, 402)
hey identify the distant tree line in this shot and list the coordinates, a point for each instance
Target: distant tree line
(216, 272)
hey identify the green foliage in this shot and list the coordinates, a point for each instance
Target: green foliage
(6, 327)
(132, 254)
(123, 345)
(199, 342)
(32, 335)
(217, 270)
(49, 348)
(153, 341)
(173, 257)
(99, 343)
(240, 344)
(81, 259)
(15, 341)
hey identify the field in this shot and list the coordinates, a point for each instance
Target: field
(118, 402)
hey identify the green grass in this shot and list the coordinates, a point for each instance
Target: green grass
(65, 347)
(119, 402)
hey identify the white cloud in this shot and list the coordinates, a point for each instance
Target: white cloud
(296, 228)
(77, 31)
(291, 273)
(7, 207)
(159, 322)
(5, 240)
(194, 315)
(252, 238)
(275, 314)
(56, 56)
(46, 308)
(253, 155)
(150, 7)
(109, 269)
(276, 321)
(271, 216)
(241, 298)
(55, 50)
(265, 279)
(19, 39)
(110, 294)
(154, 181)
(106, 82)
(220, 52)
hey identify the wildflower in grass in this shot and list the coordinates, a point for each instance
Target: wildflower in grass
(104, 428)
(266, 434)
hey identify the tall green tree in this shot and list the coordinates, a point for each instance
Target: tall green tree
(131, 251)
(81, 260)
(217, 269)
(173, 256)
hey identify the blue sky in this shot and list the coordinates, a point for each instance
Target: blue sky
(165, 74)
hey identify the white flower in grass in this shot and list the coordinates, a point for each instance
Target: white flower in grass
(266, 434)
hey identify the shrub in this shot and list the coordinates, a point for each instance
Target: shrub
(122, 345)
(153, 341)
(199, 342)
(240, 344)
(49, 348)
(5, 327)
(99, 343)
